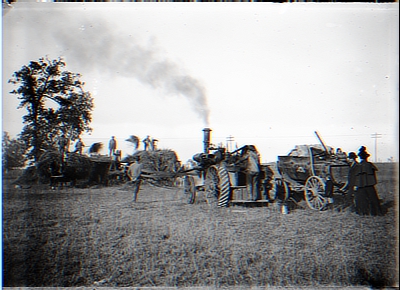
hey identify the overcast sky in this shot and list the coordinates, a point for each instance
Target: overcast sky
(265, 74)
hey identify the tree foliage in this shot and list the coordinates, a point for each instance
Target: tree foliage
(13, 152)
(56, 104)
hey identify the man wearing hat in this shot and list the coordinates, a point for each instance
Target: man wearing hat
(366, 197)
(349, 186)
(134, 172)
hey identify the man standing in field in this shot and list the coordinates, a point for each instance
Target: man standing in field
(348, 188)
(134, 172)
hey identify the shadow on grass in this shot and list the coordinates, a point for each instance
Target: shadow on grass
(374, 279)
(387, 205)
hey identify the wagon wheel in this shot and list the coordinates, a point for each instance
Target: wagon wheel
(189, 189)
(211, 188)
(313, 193)
(280, 190)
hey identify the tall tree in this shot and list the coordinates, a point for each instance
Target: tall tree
(56, 104)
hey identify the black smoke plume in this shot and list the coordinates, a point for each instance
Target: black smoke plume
(97, 44)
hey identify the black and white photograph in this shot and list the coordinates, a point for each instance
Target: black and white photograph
(186, 145)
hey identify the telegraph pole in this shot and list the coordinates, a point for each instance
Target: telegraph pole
(229, 141)
(376, 136)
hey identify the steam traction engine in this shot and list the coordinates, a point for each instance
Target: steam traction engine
(221, 176)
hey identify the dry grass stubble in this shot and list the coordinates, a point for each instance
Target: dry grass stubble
(80, 237)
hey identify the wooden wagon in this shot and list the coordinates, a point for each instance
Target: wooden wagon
(315, 171)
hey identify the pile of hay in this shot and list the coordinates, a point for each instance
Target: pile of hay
(92, 170)
(76, 166)
(163, 163)
(160, 160)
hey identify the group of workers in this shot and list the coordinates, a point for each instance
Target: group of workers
(150, 144)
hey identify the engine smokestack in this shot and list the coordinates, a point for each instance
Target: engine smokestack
(206, 139)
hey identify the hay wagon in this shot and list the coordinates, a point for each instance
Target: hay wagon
(89, 170)
(313, 170)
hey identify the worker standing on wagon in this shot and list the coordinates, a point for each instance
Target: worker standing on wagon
(112, 145)
(63, 145)
(147, 143)
(79, 146)
(154, 144)
(134, 172)
(252, 161)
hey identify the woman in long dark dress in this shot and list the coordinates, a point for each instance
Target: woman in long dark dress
(366, 197)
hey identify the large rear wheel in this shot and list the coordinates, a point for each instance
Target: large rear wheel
(224, 187)
(314, 191)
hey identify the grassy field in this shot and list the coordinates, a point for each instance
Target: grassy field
(97, 237)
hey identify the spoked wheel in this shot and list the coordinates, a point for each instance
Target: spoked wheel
(280, 190)
(314, 193)
(211, 188)
(189, 189)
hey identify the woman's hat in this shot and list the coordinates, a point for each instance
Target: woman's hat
(362, 152)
